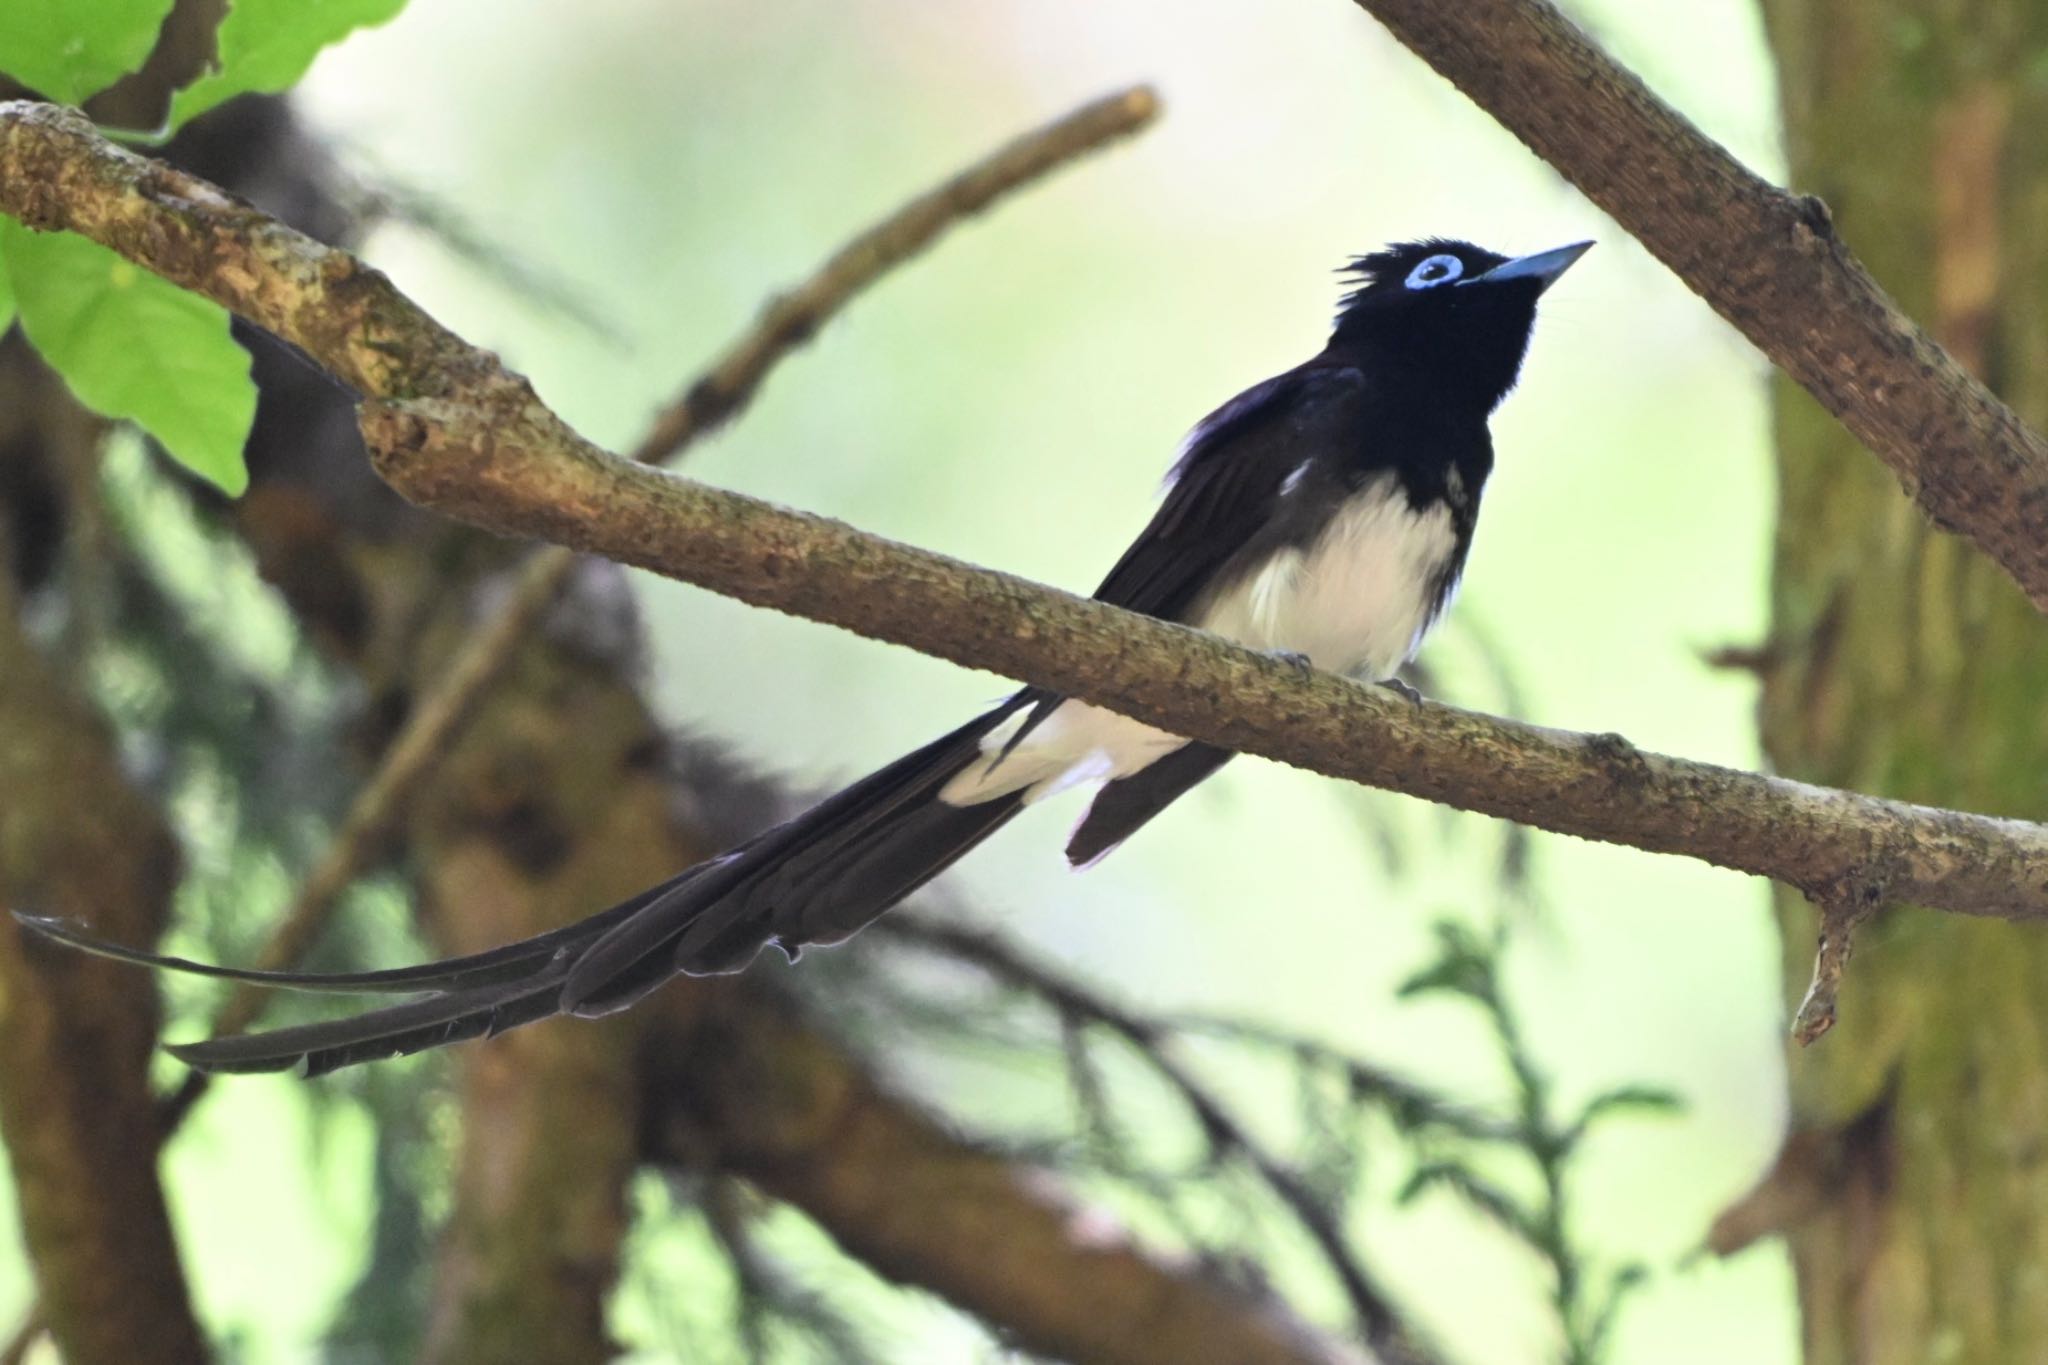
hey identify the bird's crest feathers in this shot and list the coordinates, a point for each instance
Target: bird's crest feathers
(1389, 267)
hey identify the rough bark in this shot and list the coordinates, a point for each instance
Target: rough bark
(76, 838)
(1901, 661)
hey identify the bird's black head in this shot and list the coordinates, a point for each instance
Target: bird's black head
(1452, 317)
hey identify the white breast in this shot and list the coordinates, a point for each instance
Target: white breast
(1358, 598)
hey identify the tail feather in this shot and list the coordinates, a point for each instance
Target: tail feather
(1125, 804)
(800, 882)
(827, 894)
(394, 1031)
(817, 878)
(511, 962)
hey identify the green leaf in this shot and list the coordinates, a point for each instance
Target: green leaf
(267, 45)
(133, 346)
(1479, 1192)
(69, 49)
(1641, 1099)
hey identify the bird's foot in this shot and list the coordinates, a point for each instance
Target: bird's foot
(1294, 659)
(1413, 697)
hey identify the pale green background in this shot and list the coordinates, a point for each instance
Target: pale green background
(674, 162)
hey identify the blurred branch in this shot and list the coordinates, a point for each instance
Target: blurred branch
(767, 1293)
(753, 1089)
(374, 199)
(1766, 260)
(793, 318)
(454, 431)
(75, 1041)
(533, 1237)
(26, 1336)
(430, 728)
(714, 397)
(1413, 1109)
(1378, 1322)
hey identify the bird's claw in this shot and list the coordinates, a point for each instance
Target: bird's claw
(1413, 697)
(1294, 659)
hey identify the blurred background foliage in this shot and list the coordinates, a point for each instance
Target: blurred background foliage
(605, 200)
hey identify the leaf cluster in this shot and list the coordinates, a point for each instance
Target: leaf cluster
(131, 346)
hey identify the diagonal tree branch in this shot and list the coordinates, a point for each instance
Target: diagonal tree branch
(793, 318)
(454, 431)
(1766, 260)
(1378, 1322)
(521, 472)
(720, 392)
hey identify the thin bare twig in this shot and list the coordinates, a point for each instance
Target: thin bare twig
(793, 318)
(1766, 260)
(1380, 1325)
(767, 1293)
(1412, 1108)
(1844, 906)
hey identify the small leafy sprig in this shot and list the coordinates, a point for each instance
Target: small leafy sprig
(1468, 967)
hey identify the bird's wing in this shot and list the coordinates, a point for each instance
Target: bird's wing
(1233, 475)
(1223, 491)
(1230, 478)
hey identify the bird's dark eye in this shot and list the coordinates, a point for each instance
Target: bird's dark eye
(1439, 269)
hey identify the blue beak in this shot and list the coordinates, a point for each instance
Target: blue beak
(1544, 267)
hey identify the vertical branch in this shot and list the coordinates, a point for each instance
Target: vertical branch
(75, 1037)
(540, 813)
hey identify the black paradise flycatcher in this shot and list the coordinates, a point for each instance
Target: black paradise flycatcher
(1324, 515)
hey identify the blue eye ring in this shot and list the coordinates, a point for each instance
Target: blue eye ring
(1442, 268)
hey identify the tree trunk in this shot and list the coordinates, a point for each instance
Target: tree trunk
(1902, 662)
(77, 839)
